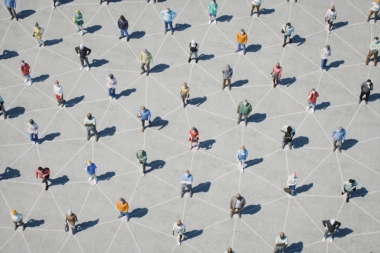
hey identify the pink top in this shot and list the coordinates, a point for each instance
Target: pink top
(276, 70)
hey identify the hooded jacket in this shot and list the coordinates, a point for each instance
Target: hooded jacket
(227, 72)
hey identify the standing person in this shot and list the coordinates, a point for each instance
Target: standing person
(25, 71)
(123, 207)
(122, 24)
(288, 31)
(32, 129)
(144, 114)
(237, 203)
(374, 9)
(146, 59)
(229, 250)
(331, 15)
(365, 89)
(91, 170)
(180, 228)
(374, 50)
(242, 39)
(227, 75)
(312, 97)
(256, 4)
(168, 15)
(331, 226)
(244, 109)
(292, 182)
(141, 158)
(185, 94)
(11, 6)
(59, 94)
(348, 187)
(281, 240)
(78, 20)
(37, 33)
(276, 74)
(101, 1)
(2, 108)
(338, 136)
(90, 124)
(212, 9)
(325, 56)
(193, 48)
(71, 219)
(83, 52)
(17, 219)
(241, 156)
(186, 182)
(194, 138)
(289, 132)
(55, 3)
(44, 174)
(111, 84)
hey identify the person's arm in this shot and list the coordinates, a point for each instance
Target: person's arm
(337, 224)
(332, 136)
(77, 50)
(184, 228)
(174, 14)
(343, 187)
(35, 128)
(344, 136)
(163, 14)
(126, 25)
(75, 218)
(149, 115)
(279, 73)
(37, 173)
(237, 37)
(292, 34)
(243, 203)
(174, 227)
(371, 86)
(272, 71)
(246, 39)
(231, 202)
(88, 51)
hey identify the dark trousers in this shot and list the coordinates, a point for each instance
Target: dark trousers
(184, 98)
(188, 186)
(19, 223)
(12, 12)
(285, 38)
(101, 1)
(93, 129)
(339, 145)
(2, 109)
(82, 60)
(170, 24)
(284, 143)
(245, 118)
(328, 233)
(45, 180)
(143, 123)
(143, 166)
(366, 95)
(330, 22)
(147, 67)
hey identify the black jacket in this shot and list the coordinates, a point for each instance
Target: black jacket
(123, 25)
(331, 228)
(83, 53)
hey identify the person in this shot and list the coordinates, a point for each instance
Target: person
(186, 182)
(37, 33)
(180, 228)
(374, 9)
(71, 219)
(123, 207)
(331, 15)
(227, 75)
(212, 9)
(122, 24)
(229, 250)
(338, 136)
(25, 71)
(276, 74)
(101, 1)
(83, 52)
(90, 124)
(289, 132)
(146, 59)
(2, 108)
(281, 242)
(288, 31)
(294, 1)
(11, 6)
(168, 15)
(193, 48)
(44, 174)
(242, 39)
(194, 138)
(348, 187)
(59, 94)
(312, 97)
(292, 182)
(365, 89)
(91, 170)
(237, 203)
(17, 219)
(241, 156)
(325, 56)
(141, 158)
(111, 84)
(255, 4)
(154, 1)
(331, 226)
(374, 50)
(78, 20)
(144, 114)
(55, 3)
(185, 94)
(244, 109)
(32, 129)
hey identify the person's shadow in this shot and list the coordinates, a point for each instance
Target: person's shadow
(139, 212)
(49, 137)
(108, 131)
(359, 193)
(342, 232)
(197, 101)
(349, 143)
(125, 93)
(159, 122)
(335, 64)
(59, 180)
(257, 117)
(85, 225)
(251, 209)
(202, 187)
(253, 162)
(106, 176)
(155, 165)
(287, 81)
(10, 173)
(303, 188)
(300, 141)
(8, 54)
(15, 112)
(207, 144)
(295, 247)
(224, 18)
(322, 106)
(34, 223)
(74, 101)
(193, 233)
(298, 39)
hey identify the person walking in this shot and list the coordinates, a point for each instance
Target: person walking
(244, 109)
(90, 124)
(2, 108)
(331, 15)
(237, 203)
(44, 174)
(111, 84)
(59, 94)
(146, 59)
(365, 89)
(288, 31)
(374, 9)
(11, 7)
(325, 56)
(242, 39)
(312, 97)
(348, 187)
(141, 158)
(144, 114)
(25, 71)
(101, 1)
(122, 24)
(276, 74)
(241, 156)
(289, 132)
(212, 9)
(255, 4)
(168, 15)
(180, 229)
(17, 219)
(71, 219)
(78, 20)
(91, 169)
(338, 136)
(193, 49)
(194, 138)
(186, 182)
(123, 207)
(331, 226)
(83, 53)
(292, 182)
(32, 129)
(374, 50)
(185, 94)
(37, 33)
(281, 240)
(227, 75)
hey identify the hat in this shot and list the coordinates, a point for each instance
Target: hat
(81, 46)
(332, 221)
(88, 161)
(31, 121)
(70, 212)
(312, 89)
(328, 47)
(242, 30)
(13, 212)
(36, 25)
(110, 76)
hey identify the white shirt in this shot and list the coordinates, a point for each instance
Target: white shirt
(283, 240)
(111, 83)
(238, 204)
(325, 54)
(292, 180)
(256, 2)
(179, 229)
(375, 6)
(32, 129)
(17, 217)
(58, 90)
(331, 15)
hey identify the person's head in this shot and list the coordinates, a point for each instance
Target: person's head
(56, 82)
(178, 222)
(294, 174)
(377, 1)
(81, 46)
(327, 47)
(184, 85)
(121, 201)
(142, 108)
(193, 42)
(376, 38)
(278, 65)
(77, 11)
(229, 250)
(351, 181)
(332, 221)
(40, 168)
(140, 152)
(88, 162)
(238, 195)
(243, 147)
(70, 212)
(340, 128)
(110, 76)
(187, 172)
(36, 24)
(214, 1)
(282, 235)
(89, 116)
(333, 8)
(13, 212)
(369, 80)
(194, 129)
(242, 31)
(168, 9)
(145, 51)
(313, 90)
(31, 121)
(288, 24)
(245, 102)
(289, 129)
(22, 63)
(227, 66)
(122, 17)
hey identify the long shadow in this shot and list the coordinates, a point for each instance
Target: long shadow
(303, 188)
(257, 117)
(93, 29)
(108, 131)
(193, 233)
(40, 78)
(65, 2)
(159, 122)
(253, 162)
(125, 93)
(98, 63)
(300, 141)
(224, 18)
(339, 24)
(298, 39)
(202, 187)
(254, 48)
(15, 112)
(287, 81)
(359, 193)
(349, 143)
(342, 232)
(159, 68)
(265, 11)
(207, 144)
(74, 101)
(8, 54)
(197, 101)
(85, 225)
(137, 35)
(10, 173)
(251, 209)
(25, 13)
(295, 247)
(59, 180)
(322, 106)
(34, 223)
(139, 212)
(155, 165)
(53, 42)
(182, 27)
(205, 57)
(335, 64)
(239, 83)
(106, 176)
(50, 137)
(374, 97)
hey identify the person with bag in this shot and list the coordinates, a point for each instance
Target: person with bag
(288, 31)
(193, 48)
(331, 15)
(37, 33)
(59, 94)
(365, 89)
(122, 206)
(312, 100)
(241, 156)
(111, 84)
(144, 115)
(227, 75)
(373, 50)
(374, 9)
(292, 182)
(71, 219)
(242, 39)
(25, 71)
(276, 74)
(44, 174)
(289, 132)
(331, 226)
(122, 24)
(237, 202)
(78, 20)
(244, 109)
(32, 129)
(141, 158)
(2, 108)
(185, 94)
(349, 187)
(194, 138)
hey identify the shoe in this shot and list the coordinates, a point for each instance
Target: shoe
(214, 22)
(128, 219)
(324, 239)
(147, 73)
(340, 151)
(23, 228)
(172, 32)
(312, 110)
(12, 18)
(110, 97)
(182, 195)
(334, 149)
(96, 181)
(283, 45)
(347, 200)
(17, 19)
(119, 37)
(191, 195)
(15, 226)
(165, 32)
(282, 146)
(26, 80)
(342, 193)
(237, 51)
(90, 178)
(375, 64)
(258, 14)
(244, 52)
(367, 20)
(189, 60)
(196, 60)
(72, 231)
(128, 39)
(40, 45)
(120, 216)
(223, 87)
(251, 14)
(290, 147)
(142, 129)
(88, 137)
(5, 116)
(366, 62)
(239, 216)
(30, 82)
(143, 174)
(360, 101)
(36, 143)
(307, 108)
(88, 68)
(81, 68)
(46, 188)
(179, 243)
(366, 102)
(231, 215)
(97, 138)
(328, 31)
(238, 122)
(53, 7)
(142, 72)
(209, 22)
(332, 240)
(229, 88)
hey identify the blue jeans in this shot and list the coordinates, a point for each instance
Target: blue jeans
(292, 187)
(124, 214)
(241, 45)
(33, 137)
(124, 33)
(168, 24)
(111, 92)
(323, 63)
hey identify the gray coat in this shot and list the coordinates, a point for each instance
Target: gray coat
(227, 75)
(233, 202)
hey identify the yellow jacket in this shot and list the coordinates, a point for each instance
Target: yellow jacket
(37, 32)
(242, 39)
(122, 207)
(146, 57)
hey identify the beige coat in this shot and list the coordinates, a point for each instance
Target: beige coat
(71, 219)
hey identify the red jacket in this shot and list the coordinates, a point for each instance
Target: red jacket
(193, 136)
(43, 173)
(25, 69)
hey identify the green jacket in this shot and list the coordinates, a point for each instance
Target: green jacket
(78, 19)
(141, 156)
(240, 108)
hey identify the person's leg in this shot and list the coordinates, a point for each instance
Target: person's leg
(183, 97)
(375, 58)
(238, 47)
(86, 60)
(190, 188)
(143, 168)
(14, 13)
(126, 34)
(245, 119)
(239, 118)
(22, 224)
(283, 144)
(232, 212)
(128, 216)
(258, 10)
(182, 190)
(196, 57)
(147, 68)
(330, 24)
(361, 96)
(166, 26)
(171, 26)
(109, 92)
(11, 12)
(81, 62)
(3, 110)
(143, 68)
(370, 14)
(223, 83)
(285, 39)
(244, 48)
(334, 144)
(121, 33)
(340, 146)
(96, 133)
(366, 98)
(370, 53)
(290, 145)
(113, 92)
(252, 8)
(190, 55)
(239, 212)
(88, 134)
(142, 125)
(229, 83)
(180, 237)
(375, 19)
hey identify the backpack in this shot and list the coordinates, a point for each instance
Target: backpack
(193, 49)
(287, 137)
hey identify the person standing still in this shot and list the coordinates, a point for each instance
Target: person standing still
(146, 59)
(55, 3)
(17, 219)
(194, 137)
(312, 100)
(292, 182)
(193, 49)
(325, 56)
(242, 39)
(25, 71)
(338, 136)
(237, 203)
(348, 187)
(276, 74)
(78, 20)
(2, 108)
(244, 109)
(71, 219)
(227, 75)
(242, 155)
(288, 31)
(212, 9)
(91, 169)
(168, 15)
(32, 129)
(90, 124)
(111, 84)
(331, 15)
(281, 243)
(37, 33)
(44, 174)
(141, 158)
(11, 7)
(59, 94)
(331, 226)
(374, 50)
(122, 23)
(374, 9)
(186, 182)
(180, 228)
(365, 89)
(289, 132)
(83, 52)
(122, 206)
(144, 115)
(255, 4)
(185, 94)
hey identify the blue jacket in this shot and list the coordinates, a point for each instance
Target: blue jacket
(91, 168)
(339, 136)
(242, 154)
(168, 16)
(144, 115)
(10, 3)
(188, 179)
